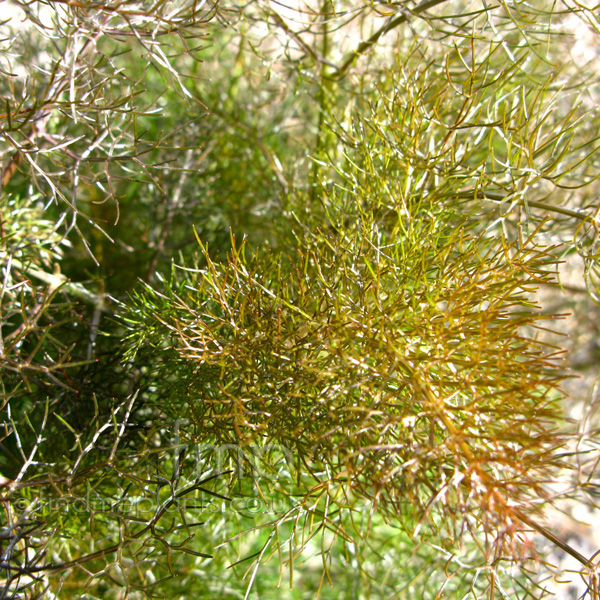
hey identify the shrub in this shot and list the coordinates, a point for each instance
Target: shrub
(267, 285)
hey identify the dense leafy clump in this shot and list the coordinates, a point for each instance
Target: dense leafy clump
(394, 362)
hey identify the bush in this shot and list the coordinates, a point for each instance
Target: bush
(271, 297)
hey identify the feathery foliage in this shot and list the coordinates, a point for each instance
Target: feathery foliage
(273, 292)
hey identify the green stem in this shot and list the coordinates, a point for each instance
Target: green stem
(569, 212)
(323, 99)
(60, 281)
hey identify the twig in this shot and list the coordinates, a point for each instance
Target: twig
(392, 24)
(315, 55)
(552, 538)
